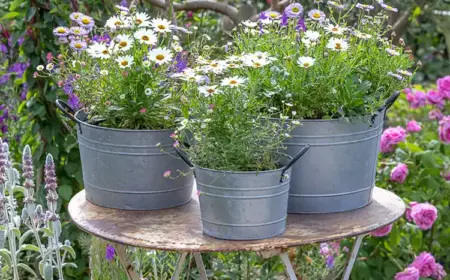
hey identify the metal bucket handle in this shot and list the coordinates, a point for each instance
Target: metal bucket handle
(387, 104)
(185, 159)
(294, 160)
(68, 111)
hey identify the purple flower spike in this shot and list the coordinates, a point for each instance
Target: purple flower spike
(110, 252)
(28, 174)
(330, 261)
(284, 19)
(3, 162)
(3, 48)
(124, 3)
(51, 186)
(301, 24)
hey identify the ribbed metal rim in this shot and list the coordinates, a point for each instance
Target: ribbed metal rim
(238, 172)
(327, 120)
(119, 129)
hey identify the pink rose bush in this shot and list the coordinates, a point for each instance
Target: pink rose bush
(410, 273)
(399, 173)
(444, 129)
(443, 86)
(435, 114)
(439, 273)
(383, 231)
(426, 264)
(424, 215)
(435, 98)
(413, 126)
(391, 137)
(416, 99)
(408, 211)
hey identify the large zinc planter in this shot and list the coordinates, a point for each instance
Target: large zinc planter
(338, 172)
(124, 168)
(244, 205)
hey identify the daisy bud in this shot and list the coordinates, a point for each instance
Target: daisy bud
(419, 63)
(108, 103)
(402, 42)
(393, 34)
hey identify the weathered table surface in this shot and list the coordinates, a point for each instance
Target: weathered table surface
(180, 229)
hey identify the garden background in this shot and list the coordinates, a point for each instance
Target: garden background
(28, 116)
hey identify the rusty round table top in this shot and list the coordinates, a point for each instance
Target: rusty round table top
(180, 228)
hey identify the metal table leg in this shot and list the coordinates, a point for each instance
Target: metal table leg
(179, 266)
(287, 263)
(126, 263)
(353, 256)
(201, 266)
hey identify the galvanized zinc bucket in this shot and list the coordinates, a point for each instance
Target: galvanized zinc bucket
(124, 168)
(244, 205)
(338, 173)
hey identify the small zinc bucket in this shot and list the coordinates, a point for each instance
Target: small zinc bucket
(244, 205)
(124, 168)
(338, 173)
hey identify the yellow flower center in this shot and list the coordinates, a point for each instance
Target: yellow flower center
(257, 64)
(78, 45)
(145, 38)
(162, 27)
(117, 23)
(76, 31)
(160, 57)
(272, 15)
(210, 90)
(306, 64)
(124, 63)
(233, 82)
(338, 46)
(138, 21)
(61, 30)
(295, 10)
(316, 15)
(214, 64)
(335, 29)
(105, 52)
(123, 44)
(85, 20)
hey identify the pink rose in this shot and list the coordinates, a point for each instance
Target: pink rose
(439, 273)
(425, 263)
(424, 215)
(444, 129)
(413, 126)
(435, 114)
(399, 173)
(383, 231)
(408, 211)
(446, 175)
(410, 273)
(416, 99)
(443, 85)
(435, 98)
(391, 137)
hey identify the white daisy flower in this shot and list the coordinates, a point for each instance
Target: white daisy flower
(40, 67)
(254, 61)
(308, 43)
(215, 66)
(124, 42)
(104, 72)
(404, 72)
(160, 25)
(146, 36)
(160, 55)
(177, 48)
(98, 50)
(337, 44)
(232, 64)
(250, 31)
(393, 52)
(148, 91)
(202, 60)
(249, 24)
(190, 75)
(175, 38)
(141, 20)
(125, 61)
(233, 81)
(116, 22)
(335, 29)
(208, 90)
(312, 35)
(50, 67)
(306, 61)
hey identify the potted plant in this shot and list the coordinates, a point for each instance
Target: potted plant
(118, 81)
(338, 78)
(242, 172)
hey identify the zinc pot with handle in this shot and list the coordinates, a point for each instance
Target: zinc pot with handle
(244, 205)
(338, 172)
(123, 168)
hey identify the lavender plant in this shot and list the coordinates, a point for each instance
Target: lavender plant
(120, 75)
(326, 67)
(38, 223)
